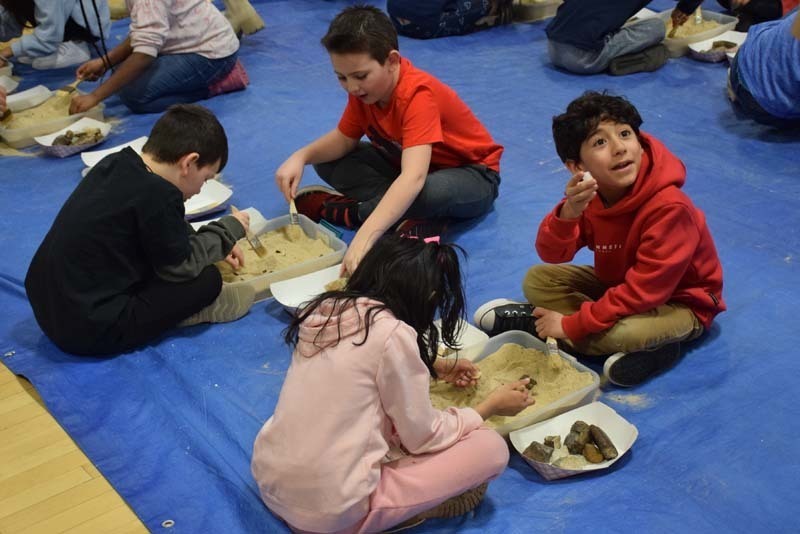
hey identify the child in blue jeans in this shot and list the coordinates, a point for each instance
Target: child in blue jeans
(176, 52)
(588, 36)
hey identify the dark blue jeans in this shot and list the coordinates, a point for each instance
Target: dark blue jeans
(457, 193)
(458, 19)
(174, 79)
(749, 106)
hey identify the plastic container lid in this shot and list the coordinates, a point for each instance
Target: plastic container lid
(29, 98)
(8, 83)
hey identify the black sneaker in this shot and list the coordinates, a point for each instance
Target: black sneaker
(502, 315)
(632, 368)
(647, 60)
(341, 211)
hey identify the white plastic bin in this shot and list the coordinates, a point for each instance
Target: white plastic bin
(577, 398)
(679, 46)
(23, 137)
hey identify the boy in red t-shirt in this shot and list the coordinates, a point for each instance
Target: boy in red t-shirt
(656, 279)
(429, 158)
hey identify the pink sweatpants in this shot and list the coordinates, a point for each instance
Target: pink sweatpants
(417, 483)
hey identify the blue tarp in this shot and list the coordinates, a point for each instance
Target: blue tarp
(172, 425)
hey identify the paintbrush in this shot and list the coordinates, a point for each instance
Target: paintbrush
(71, 87)
(294, 232)
(255, 243)
(552, 346)
(242, 16)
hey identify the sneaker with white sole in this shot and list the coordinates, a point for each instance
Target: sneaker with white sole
(69, 53)
(452, 507)
(232, 303)
(501, 315)
(632, 368)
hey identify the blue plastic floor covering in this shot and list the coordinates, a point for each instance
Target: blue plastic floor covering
(172, 425)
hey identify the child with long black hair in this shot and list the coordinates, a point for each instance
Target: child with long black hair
(357, 392)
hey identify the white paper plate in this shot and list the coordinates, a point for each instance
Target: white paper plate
(28, 98)
(82, 124)
(701, 49)
(295, 291)
(257, 221)
(93, 157)
(210, 198)
(9, 84)
(621, 433)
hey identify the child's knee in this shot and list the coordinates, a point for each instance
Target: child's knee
(537, 280)
(494, 451)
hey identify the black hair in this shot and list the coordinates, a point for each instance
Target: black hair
(584, 114)
(361, 29)
(23, 11)
(411, 279)
(187, 128)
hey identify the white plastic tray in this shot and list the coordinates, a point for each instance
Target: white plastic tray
(540, 413)
(678, 46)
(8, 83)
(93, 157)
(701, 49)
(212, 197)
(6, 68)
(621, 433)
(23, 137)
(28, 98)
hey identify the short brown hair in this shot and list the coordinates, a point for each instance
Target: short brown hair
(361, 29)
(187, 128)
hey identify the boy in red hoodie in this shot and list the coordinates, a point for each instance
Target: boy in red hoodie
(657, 280)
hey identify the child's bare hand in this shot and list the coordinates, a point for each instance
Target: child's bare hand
(548, 323)
(459, 372)
(244, 218)
(678, 17)
(91, 70)
(508, 399)
(236, 258)
(580, 190)
(288, 176)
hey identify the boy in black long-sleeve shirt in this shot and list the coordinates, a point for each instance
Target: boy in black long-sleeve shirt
(588, 36)
(120, 265)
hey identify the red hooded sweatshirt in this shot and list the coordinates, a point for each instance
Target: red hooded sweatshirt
(650, 248)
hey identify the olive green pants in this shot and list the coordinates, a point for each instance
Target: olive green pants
(563, 288)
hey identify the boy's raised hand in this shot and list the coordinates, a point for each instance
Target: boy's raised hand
(580, 190)
(508, 399)
(288, 176)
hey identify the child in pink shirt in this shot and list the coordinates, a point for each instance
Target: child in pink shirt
(177, 51)
(354, 444)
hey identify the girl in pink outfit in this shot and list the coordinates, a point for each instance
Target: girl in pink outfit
(354, 444)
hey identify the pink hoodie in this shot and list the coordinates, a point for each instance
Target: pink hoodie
(318, 458)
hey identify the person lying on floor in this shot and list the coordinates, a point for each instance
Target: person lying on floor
(120, 266)
(657, 279)
(588, 36)
(428, 19)
(62, 31)
(430, 159)
(764, 77)
(354, 443)
(176, 52)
